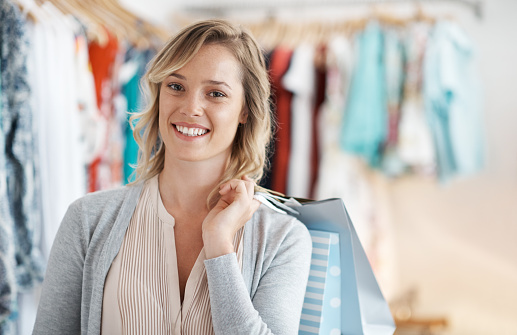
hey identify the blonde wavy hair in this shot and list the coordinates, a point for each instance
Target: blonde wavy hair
(252, 140)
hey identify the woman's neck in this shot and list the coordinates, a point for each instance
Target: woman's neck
(186, 186)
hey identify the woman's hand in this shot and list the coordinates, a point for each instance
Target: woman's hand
(232, 211)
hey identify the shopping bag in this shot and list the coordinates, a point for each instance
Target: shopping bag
(321, 313)
(364, 311)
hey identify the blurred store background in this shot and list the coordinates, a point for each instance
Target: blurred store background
(405, 109)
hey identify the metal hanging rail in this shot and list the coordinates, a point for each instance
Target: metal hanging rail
(220, 7)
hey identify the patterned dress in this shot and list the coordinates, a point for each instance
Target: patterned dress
(21, 265)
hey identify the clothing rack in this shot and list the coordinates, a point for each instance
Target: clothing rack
(222, 6)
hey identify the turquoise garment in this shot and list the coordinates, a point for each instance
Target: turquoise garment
(135, 63)
(364, 126)
(132, 94)
(453, 101)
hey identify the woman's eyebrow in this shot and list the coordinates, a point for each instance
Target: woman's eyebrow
(179, 76)
(210, 82)
(216, 82)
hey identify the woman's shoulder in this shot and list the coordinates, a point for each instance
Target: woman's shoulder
(102, 196)
(98, 211)
(106, 203)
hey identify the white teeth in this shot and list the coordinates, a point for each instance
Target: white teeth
(191, 131)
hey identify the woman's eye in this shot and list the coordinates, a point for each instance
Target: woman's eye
(217, 94)
(175, 87)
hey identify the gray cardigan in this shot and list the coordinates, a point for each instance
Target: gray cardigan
(265, 298)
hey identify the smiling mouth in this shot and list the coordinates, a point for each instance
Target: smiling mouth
(191, 131)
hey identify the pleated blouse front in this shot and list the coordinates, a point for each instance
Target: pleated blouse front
(141, 292)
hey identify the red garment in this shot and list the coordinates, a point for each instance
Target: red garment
(279, 65)
(102, 59)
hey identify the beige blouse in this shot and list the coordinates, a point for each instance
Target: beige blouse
(141, 292)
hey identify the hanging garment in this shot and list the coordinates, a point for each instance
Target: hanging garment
(130, 73)
(415, 145)
(0, 97)
(38, 66)
(93, 124)
(7, 265)
(26, 312)
(8, 289)
(279, 66)
(394, 60)
(112, 163)
(8, 286)
(365, 123)
(47, 80)
(21, 264)
(19, 143)
(300, 81)
(92, 127)
(320, 62)
(129, 78)
(103, 63)
(453, 101)
(61, 108)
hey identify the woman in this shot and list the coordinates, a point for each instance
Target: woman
(186, 249)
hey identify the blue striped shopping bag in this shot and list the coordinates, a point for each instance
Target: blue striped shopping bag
(323, 293)
(357, 306)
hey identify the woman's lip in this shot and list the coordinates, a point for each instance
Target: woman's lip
(190, 125)
(186, 137)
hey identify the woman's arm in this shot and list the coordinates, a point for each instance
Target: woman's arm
(277, 303)
(59, 310)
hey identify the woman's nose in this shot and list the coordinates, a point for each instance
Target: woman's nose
(193, 105)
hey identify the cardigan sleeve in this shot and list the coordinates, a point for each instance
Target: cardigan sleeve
(59, 309)
(276, 306)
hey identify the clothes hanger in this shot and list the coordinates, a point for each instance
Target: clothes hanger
(96, 20)
(323, 33)
(421, 16)
(129, 22)
(297, 35)
(257, 29)
(343, 28)
(149, 31)
(311, 33)
(280, 33)
(109, 19)
(286, 35)
(26, 7)
(95, 30)
(269, 27)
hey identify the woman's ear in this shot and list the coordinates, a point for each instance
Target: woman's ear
(243, 118)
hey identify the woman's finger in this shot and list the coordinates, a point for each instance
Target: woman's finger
(250, 186)
(237, 186)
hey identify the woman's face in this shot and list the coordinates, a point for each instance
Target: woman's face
(201, 106)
